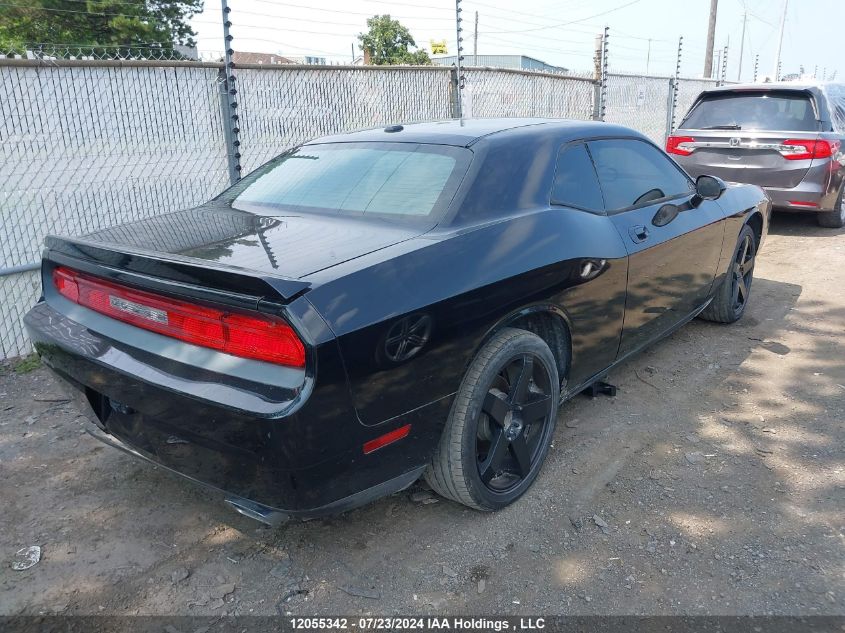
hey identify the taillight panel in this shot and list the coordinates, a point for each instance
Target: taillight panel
(680, 145)
(255, 336)
(805, 149)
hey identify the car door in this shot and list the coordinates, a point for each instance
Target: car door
(674, 239)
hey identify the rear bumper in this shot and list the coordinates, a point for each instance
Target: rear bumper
(264, 513)
(306, 463)
(806, 197)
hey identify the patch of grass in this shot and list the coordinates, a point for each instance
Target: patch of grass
(26, 364)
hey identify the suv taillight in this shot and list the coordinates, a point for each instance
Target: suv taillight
(256, 336)
(679, 145)
(801, 149)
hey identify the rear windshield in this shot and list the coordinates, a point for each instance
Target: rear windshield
(753, 111)
(393, 180)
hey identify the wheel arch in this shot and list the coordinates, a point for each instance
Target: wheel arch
(547, 321)
(755, 221)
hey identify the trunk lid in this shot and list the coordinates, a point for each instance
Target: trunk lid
(216, 237)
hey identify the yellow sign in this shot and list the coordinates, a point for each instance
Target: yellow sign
(438, 48)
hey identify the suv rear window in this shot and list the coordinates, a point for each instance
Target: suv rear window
(753, 111)
(396, 180)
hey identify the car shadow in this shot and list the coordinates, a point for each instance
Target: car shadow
(803, 224)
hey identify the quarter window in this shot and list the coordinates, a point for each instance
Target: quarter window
(576, 183)
(634, 173)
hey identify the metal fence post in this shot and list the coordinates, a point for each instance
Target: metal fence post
(454, 94)
(674, 86)
(604, 73)
(600, 78)
(228, 102)
(459, 58)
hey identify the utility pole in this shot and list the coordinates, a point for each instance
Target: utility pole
(475, 42)
(756, 66)
(741, 46)
(780, 40)
(724, 75)
(711, 37)
(353, 52)
(648, 56)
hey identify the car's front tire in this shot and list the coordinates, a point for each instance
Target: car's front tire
(501, 423)
(732, 295)
(834, 219)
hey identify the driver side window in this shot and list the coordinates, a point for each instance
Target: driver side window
(633, 173)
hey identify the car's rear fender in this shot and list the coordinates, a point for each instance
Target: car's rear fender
(464, 284)
(743, 204)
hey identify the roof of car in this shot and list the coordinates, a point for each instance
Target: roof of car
(466, 132)
(781, 85)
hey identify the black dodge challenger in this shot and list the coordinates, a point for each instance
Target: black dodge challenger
(373, 307)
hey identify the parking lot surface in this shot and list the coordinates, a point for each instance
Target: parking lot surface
(713, 483)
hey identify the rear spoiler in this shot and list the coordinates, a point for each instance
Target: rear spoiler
(169, 272)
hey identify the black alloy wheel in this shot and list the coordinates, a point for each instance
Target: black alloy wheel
(501, 424)
(731, 296)
(510, 427)
(742, 272)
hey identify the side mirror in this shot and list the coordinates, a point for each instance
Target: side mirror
(709, 187)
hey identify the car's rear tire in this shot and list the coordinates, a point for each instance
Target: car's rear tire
(501, 423)
(732, 295)
(834, 219)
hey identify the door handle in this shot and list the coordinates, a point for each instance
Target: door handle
(638, 233)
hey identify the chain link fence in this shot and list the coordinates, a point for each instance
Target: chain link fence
(492, 92)
(688, 90)
(92, 144)
(640, 102)
(87, 146)
(282, 107)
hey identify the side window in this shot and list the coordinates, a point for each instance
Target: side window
(836, 105)
(576, 183)
(633, 173)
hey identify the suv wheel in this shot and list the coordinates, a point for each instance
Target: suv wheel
(834, 219)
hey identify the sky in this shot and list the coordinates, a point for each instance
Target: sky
(643, 33)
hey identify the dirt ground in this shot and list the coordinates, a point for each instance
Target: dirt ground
(713, 483)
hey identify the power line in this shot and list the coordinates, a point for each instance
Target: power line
(99, 13)
(343, 12)
(597, 15)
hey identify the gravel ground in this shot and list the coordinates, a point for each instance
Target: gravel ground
(712, 483)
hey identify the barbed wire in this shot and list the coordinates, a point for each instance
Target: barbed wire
(50, 51)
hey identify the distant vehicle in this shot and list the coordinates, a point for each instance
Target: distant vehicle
(376, 306)
(785, 137)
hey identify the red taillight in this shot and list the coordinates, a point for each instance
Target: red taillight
(801, 149)
(388, 438)
(803, 203)
(679, 145)
(248, 336)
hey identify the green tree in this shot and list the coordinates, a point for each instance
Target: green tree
(388, 42)
(108, 26)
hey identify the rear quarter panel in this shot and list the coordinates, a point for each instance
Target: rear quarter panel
(466, 283)
(742, 204)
